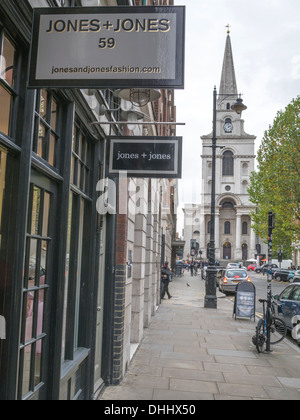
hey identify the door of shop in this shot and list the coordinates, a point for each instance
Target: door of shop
(38, 280)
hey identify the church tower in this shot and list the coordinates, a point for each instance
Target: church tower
(234, 238)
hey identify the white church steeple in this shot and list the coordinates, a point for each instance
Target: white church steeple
(228, 80)
(234, 237)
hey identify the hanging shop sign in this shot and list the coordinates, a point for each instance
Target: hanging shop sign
(100, 47)
(146, 157)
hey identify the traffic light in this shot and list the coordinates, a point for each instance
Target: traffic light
(271, 220)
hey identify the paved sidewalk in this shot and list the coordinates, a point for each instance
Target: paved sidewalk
(192, 353)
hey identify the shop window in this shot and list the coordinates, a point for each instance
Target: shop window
(80, 166)
(35, 292)
(77, 254)
(46, 136)
(7, 83)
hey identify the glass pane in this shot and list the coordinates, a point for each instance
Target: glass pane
(74, 139)
(26, 353)
(77, 183)
(5, 107)
(81, 180)
(52, 150)
(46, 213)
(78, 282)
(29, 302)
(32, 262)
(87, 153)
(43, 267)
(36, 205)
(43, 104)
(80, 145)
(67, 269)
(8, 62)
(84, 180)
(72, 169)
(53, 115)
(42, 141)
(38, 358)
(3, 156)
(40, 321)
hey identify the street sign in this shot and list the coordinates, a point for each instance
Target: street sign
(100, 47)
(146, 157)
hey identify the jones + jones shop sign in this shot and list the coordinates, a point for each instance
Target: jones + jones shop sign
(98, 47)
(146, 157)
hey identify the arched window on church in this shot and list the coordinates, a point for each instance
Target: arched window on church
(208, 227)
(228, 163)
(227, 228)
(245, 228)
(227, 205)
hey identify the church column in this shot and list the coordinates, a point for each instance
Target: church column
(202, 234)
(252, 243)
(238, 239)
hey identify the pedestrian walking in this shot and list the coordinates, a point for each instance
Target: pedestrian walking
(166, 278)
(192, 268)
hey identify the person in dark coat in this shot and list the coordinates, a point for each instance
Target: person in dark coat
(166, 277)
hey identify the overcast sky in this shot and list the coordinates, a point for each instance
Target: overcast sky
(265, 37)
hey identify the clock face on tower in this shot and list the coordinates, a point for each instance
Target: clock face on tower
(228, 126)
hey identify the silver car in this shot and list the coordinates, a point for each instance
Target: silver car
(228, 279)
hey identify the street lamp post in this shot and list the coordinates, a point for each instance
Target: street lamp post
(211, 282)
(210, 301)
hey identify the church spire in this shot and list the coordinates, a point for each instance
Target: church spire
(228, 81)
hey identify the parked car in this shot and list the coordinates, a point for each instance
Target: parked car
(287, 304)
(228, 279)
(251, 267)
(296, 278)
(264, 268)
(283, 275)
(181, 263)
(233, 265)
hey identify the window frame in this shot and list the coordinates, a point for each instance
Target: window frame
(77, 266)
(228, 163)
(46, 122)
(11, 90)
(227, 228)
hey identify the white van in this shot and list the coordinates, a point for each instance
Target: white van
(285, 264)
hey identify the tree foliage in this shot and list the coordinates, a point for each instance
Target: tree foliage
(276, 185)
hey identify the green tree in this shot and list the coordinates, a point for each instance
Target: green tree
(276, 185)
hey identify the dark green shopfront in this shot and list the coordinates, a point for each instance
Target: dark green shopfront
(54, 268)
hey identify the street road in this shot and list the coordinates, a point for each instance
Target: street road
(260, 282)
